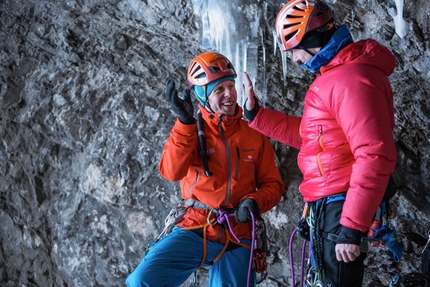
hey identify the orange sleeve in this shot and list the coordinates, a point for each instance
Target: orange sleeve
(179, 151)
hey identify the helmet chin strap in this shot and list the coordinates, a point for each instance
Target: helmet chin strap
(307, 51)
(208, 107)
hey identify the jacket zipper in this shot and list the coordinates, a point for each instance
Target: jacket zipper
(228, 159)
(320, 141)
(194, 183)
(237, 163)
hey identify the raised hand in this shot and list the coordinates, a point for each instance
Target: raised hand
(183, 108)
(251, 106)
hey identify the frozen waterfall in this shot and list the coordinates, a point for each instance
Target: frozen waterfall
(229, 30)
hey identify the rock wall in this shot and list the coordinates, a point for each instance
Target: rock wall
(83, 120)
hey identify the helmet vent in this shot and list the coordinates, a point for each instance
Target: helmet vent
(297, 8)
(213, 69)
(289, 36)
(194, 71)
(294, 16)
(287, 26)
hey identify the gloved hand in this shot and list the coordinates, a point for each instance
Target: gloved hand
(183, 108)
(251, 114)
(250, 106)
(247, 206)
(349, 236)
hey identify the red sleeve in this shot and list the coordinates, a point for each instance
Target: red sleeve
(278, 126)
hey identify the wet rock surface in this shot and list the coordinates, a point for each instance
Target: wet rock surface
(83, 120)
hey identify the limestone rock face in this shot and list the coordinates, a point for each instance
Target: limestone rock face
(83, 121)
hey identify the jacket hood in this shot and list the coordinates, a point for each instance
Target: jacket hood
(367, 52)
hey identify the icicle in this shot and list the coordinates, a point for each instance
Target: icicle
(400, 24)
(275, 42)
(284, 67)
(227, 31)
(264, 88)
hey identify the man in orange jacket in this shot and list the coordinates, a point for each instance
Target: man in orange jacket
(228, 176)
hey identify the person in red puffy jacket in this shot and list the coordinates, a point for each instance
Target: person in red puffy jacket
(228, 176)
(345, 135)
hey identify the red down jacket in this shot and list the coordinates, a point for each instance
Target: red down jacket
(241, 159)
(345, 133)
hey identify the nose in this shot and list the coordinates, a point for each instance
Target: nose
(229, 92)
(296, 59)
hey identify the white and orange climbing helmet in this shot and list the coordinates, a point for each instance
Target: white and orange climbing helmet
(298, 17)
(206, 71)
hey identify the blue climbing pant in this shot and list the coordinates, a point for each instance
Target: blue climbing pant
(175, 257)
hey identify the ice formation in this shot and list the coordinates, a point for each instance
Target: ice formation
(401, 25)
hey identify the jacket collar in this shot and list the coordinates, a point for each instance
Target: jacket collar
(340, 38)
(227, 122)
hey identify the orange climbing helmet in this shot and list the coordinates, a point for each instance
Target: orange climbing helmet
(209, 67)
(298, 17)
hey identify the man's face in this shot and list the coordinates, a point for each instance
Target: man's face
(301, 56)
(223, 98)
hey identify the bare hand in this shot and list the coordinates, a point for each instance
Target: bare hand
(347, 252)
(249, 93)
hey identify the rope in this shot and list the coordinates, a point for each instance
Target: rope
(302, 276)
(223, 217)
(290, 247)
(302, 273)
(251, 256)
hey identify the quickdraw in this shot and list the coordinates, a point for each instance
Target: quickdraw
(261, 250)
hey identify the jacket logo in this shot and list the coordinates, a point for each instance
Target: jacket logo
(248, 150)
(249, 159)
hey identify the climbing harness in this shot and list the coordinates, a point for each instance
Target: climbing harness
(258, 248)
(174, 216)
(310, 230)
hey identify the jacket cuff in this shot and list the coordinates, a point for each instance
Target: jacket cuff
(251, 114)
(349, 236)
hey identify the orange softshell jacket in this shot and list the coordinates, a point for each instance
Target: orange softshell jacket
(242, 162)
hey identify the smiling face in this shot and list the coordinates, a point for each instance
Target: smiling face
(223, 98)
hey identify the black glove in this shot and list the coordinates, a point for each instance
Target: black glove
(247, 206)
(349, 236)
(183, 108)
(250, 114)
